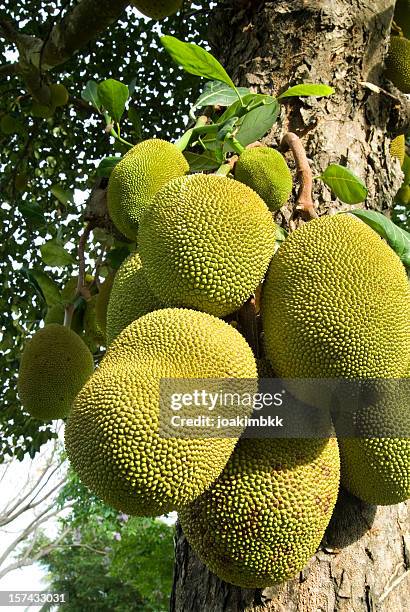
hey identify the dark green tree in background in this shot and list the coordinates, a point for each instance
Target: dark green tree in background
(48, 162)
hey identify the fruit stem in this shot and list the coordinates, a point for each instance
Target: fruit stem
(81, 258)
(304, 201)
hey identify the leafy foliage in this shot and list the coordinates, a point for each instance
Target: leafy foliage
(108, 561)
(45, 161)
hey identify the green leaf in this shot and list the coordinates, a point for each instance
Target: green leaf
(281, 234)
(90, 94)
(308, 89)
(116, 256)
(217, 93)
(32, 212)
(345, 185)
(397, 238)
(196, 60)
(248, 102)
(53, 254)
(48, 287)
(64, 196)
(201, 163)
(258, 122)
(113, 96)
(107, 165)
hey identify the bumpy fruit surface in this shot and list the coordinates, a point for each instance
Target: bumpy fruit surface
(398, 63)
(266, 172)
(54, 366)
(112, 437)
(336, 303)
(136, 179)
(398, 148)
(205, 243)
(130, 298)
(265, 516)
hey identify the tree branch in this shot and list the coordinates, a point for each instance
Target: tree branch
(304, 201)
(78, 27)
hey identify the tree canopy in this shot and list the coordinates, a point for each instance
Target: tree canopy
(48, 165)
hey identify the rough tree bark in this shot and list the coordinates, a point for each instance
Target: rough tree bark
(363, 563)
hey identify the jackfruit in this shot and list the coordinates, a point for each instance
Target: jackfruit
(402, 16)
(157, 9)
(266, 172)
(112, 437)
(59, 94)
(93, 335)
(54, 366)
(130, 298)
(398, 148)
(376, 462)
(398, 63)
(101, 303)
(136, 179)
(403, 196)
(336, 303)
(205, 243)
(266, 514)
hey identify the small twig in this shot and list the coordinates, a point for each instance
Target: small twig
(394, 584)
(69, 311)
(254, 145)
(304, 201)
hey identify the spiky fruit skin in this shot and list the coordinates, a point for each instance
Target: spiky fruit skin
(101, 303)
(265, 171)
(112, 435)
(131, 297)
(336, 303)
(54, 366)
(265, 516)
(205, 243)
(93, 334)
(398, 63)
(402, 16)
(157, 9)
(136, 179)
(398, 148)
(377, 469)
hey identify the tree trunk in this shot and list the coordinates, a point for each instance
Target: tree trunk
(364, 560)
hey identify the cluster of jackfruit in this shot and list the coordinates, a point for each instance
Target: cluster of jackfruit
(335, 304)
(398, 149)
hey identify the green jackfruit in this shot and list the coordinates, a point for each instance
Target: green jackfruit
(93, 334)
(266, 172)
(130, 297)
(398, 148)
(101, 303)
(398, 63)
(136, 179)
(157, 9)
(265, 516)
(112, 437)
(336, 303)
(205, 243)
(59, 94)
(376, 463)
(54, 366)
(403, 196)
(402, 16)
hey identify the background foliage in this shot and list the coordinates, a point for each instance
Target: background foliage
(48, 165)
